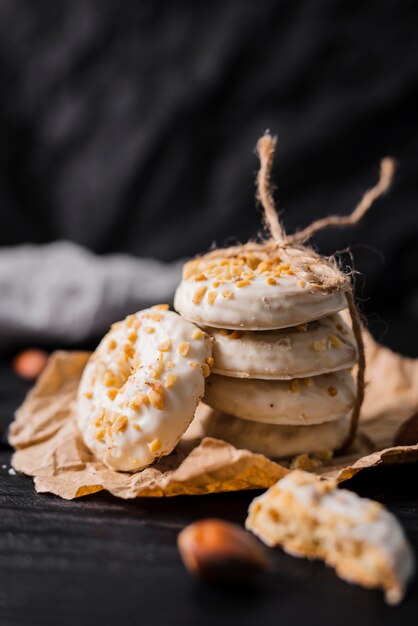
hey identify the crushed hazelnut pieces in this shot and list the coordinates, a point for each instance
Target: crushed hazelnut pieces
(112, 393)
(184, 348)
(156, 398)
(334, 341)
(198, 295)
(165, 346)
(155, 445)
(121, 424)
(170, 380)
(206, 370)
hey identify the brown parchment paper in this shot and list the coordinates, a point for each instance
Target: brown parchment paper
(50, 448)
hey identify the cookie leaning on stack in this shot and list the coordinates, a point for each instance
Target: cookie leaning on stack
(282, 353)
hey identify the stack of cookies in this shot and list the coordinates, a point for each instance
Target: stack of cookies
(281, 381)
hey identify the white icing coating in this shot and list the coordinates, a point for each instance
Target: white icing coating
(299, 402)
(237, 294)
(276, 441)
(319, 347)
(154, 364)
(350, 517)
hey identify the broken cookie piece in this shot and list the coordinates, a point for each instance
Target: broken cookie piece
(310, 517)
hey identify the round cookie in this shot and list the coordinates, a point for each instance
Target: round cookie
(276, 441)
(140, 388)
(299, 402)
(319, 347)
(250, 292)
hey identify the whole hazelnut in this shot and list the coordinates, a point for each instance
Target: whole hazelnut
(221, 552)
(30, 363)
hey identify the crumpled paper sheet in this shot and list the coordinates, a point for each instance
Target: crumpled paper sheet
(50, 448)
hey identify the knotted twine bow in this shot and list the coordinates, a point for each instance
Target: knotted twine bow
(320, 273)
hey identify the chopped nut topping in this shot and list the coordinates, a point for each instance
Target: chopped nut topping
(264, 266)
(112, 344)
(302, 328)
(319, 345)
(89, 394)
(135, 405)
(236, 334)
(129, 351)
(193, 364)
(121, 424)
(200, 277)
(132, 320)
(332, 391)
(158, 370)
(136, 426)
(165, 346)
(212, 295)
(149, 330)
(227, 294)
(112, 393)
(334, 341)
(133, 336)
(157, 317)
(294, 386)
(144, 398)
(155, 445)
(156, 398)
(206, 370)
(305, 462)
(271, 281)
(301, 284)
(198, 295)
(169, 365)
(308, 382)
(170, 380)
(242, 283)
(210, 361)
(197, 334)
(184, 348)
(110, 379)
(161, 307)
(100, 435)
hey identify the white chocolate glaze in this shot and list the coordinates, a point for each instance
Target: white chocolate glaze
(296, 402)
(276, 441)
(319, 347)
(250, 293)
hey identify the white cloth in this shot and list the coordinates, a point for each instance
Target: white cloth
(61, 294)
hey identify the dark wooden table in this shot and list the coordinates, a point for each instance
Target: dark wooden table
(99, 560)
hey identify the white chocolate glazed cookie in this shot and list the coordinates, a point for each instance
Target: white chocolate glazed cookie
(140, 388)
(276, 441)
(299, 402)
(311, 349)
(311, 518)
(250, 292)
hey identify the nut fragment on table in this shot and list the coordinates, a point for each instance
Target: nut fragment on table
(221, 552)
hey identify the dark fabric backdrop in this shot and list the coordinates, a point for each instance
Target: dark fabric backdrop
(130, 126)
